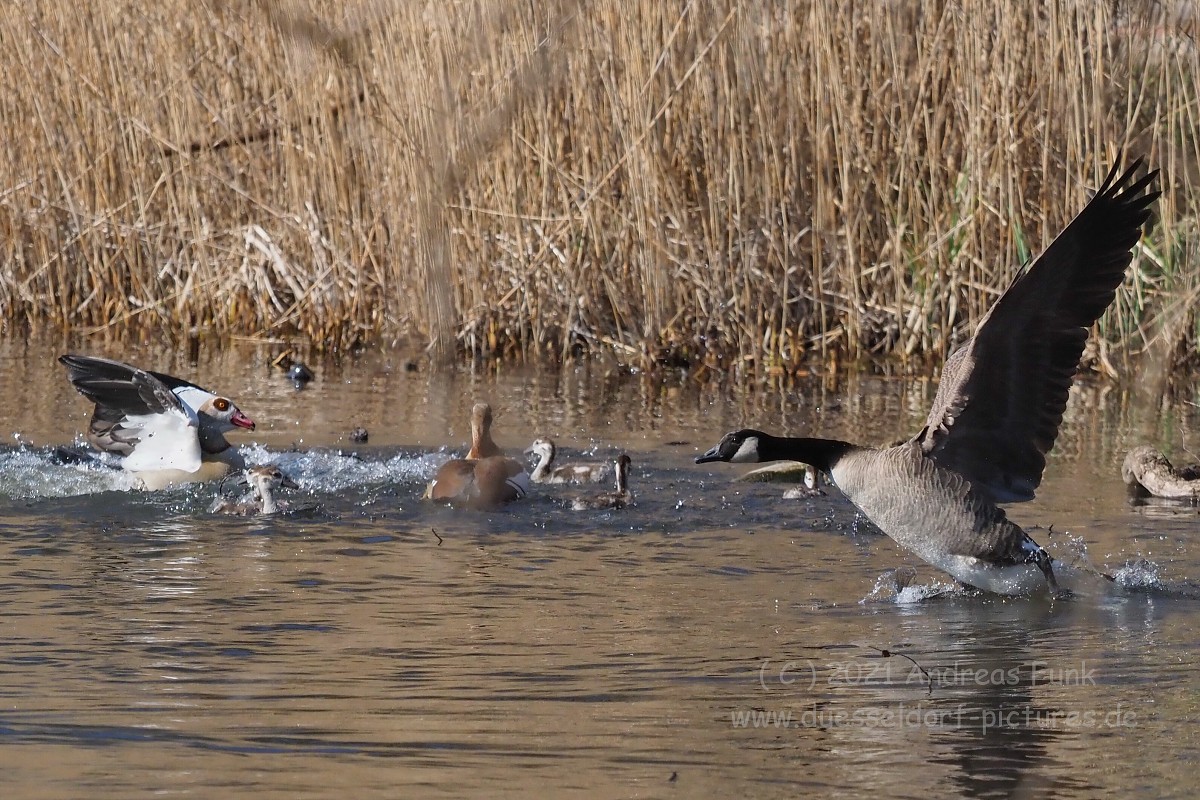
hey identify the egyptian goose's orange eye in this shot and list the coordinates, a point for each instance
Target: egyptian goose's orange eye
(221, 404)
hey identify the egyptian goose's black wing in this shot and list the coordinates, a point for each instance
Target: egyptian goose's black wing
(137, 415)
(121, 387)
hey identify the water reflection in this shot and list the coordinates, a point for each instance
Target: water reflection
(381, 646)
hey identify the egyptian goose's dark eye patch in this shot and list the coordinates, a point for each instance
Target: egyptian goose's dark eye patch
(221, 404)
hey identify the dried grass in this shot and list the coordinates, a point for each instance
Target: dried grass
(722, 182)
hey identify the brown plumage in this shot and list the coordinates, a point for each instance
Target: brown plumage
(618, 499)
(485, 478)
(1002, 395)
(482, 445)
(996, 413)
(578, 472)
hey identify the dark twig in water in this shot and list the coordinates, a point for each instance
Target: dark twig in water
(924, 672)
(435, 533)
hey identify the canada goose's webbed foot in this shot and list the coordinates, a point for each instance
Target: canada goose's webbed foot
(1044, 563)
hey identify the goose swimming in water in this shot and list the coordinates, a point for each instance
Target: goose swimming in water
(264, 480)
(809, 488)
(996, 413)
(485, 478)
(621, 498)
(168, 430)
(578, 472)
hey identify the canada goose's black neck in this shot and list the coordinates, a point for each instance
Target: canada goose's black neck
(820, 453)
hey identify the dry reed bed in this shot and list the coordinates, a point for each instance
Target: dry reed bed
(727, 181)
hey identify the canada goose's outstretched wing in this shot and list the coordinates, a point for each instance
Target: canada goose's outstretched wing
(1002, 395)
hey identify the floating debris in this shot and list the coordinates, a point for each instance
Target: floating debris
(297, 372)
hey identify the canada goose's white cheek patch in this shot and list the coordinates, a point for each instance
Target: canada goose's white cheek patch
(747, 453)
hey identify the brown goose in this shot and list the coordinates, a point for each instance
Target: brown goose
(578, 472)
(168, 430)
(621, 498)
(485, 478)
(996, 413)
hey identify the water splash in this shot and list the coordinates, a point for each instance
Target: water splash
(28, 473)
(33, 473)
(1139, 574)
(337, 471)
(896, 585)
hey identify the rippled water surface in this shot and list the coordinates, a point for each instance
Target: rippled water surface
(714, 640)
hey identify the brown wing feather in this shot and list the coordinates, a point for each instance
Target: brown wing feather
(1001, 399)
(454, 480)
(491, 479)
(481, 483)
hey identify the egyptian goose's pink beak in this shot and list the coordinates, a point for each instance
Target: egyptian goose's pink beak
(242, 421)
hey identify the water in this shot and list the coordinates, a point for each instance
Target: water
(712, 641)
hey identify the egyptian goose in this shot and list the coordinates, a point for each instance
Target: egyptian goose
(264, 480)
(996, 413)
(168, 430)
(485, 478)
(621, 498)
(546, 472)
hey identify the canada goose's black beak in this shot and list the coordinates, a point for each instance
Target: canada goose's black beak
(712, 455)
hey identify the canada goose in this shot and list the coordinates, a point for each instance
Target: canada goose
(169, 431)
(546, 472)
(1148, 473)
(996, 412)
(263, 480)
(618, 499)
(485, 478)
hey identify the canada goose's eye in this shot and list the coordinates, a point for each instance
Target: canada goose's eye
(221, 404)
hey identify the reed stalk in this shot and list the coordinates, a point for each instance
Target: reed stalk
(725, 183)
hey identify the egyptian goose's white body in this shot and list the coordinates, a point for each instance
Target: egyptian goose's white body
(167, 430)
